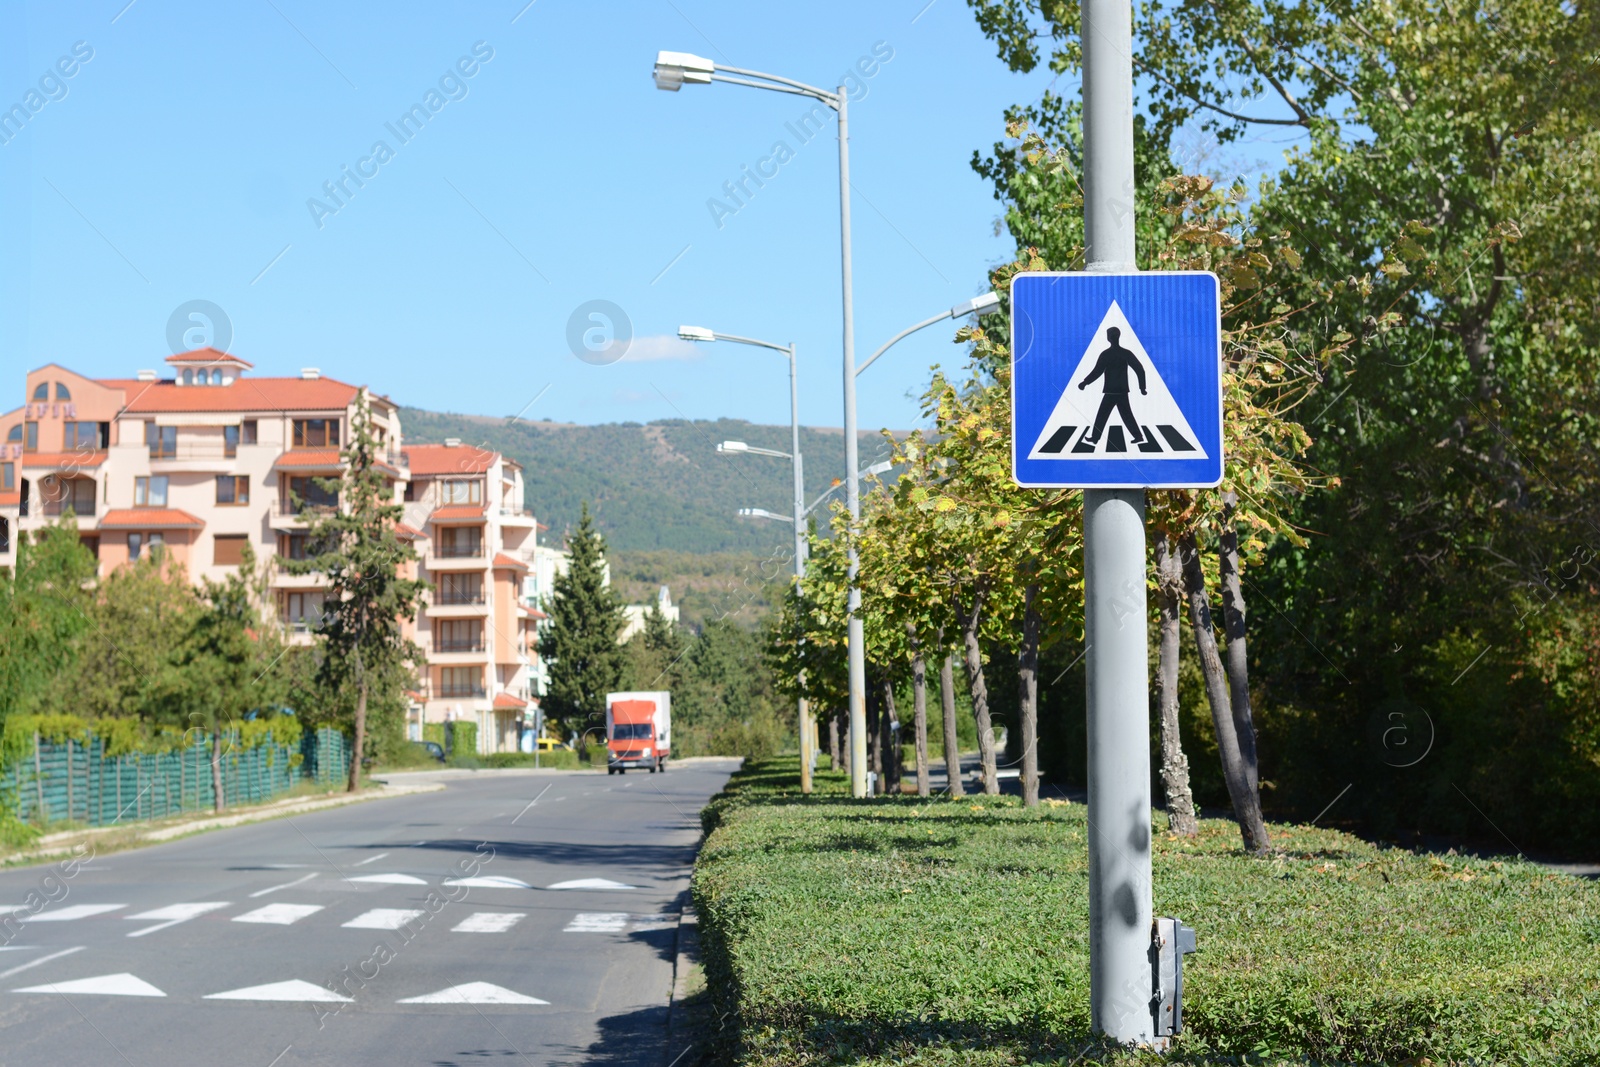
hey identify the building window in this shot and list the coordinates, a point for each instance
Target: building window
(301, 612)
(8, 476)
(227, 550)
(293, 546)
(14, 435)
(216, 376)
(308, 494)
(411, 492)
(456, 589)
(233, 489)
(461, 681)
(62, 392)
(85, 436)
(30, 443)
(162, 440)
(138, 544)
(41, 392)
(458, 491)
(230, 441)
(150, 492)
(460, 542)
(458, 635)
(247, 432)
(188, 376)
(316, 433)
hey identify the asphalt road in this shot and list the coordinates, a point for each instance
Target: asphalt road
(533, 915)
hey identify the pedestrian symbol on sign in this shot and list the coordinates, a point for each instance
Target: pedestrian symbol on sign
(1113, 425)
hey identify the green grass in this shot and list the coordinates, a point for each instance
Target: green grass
(897, 931)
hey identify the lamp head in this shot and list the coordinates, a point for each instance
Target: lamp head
(733, 446)
(674, 69)
(696, 333)
(979, 305)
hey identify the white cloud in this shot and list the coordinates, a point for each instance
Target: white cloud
(658, 347)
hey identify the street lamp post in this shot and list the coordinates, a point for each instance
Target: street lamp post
(674, 70)
(700, 333)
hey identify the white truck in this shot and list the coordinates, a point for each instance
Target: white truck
(638, 731)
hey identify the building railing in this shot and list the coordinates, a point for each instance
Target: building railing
(205, 448)
(56, 508)
(468, 551)
(458, 600)
(525, 513)
(474, 645)
(448, 692)
(289, 510)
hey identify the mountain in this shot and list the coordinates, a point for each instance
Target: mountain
(659, 485)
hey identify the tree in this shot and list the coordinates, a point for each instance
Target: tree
(130, 664)
(654, 653)
(43, 618)
(354, 546)
(227, 662)
(580, 644)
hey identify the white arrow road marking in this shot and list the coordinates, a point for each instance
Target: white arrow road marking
(278, 914)
(173, 914)
(294, 989)
(383, 919)
(597, 922)
(114, 985)
(487, 922)
(489, 881)
(388, 879)
(474, 993)
(369, 859)
(42, 959)
(76, 911)
(592, 883)
(285, 885)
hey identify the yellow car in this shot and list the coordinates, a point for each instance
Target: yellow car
(549, 744)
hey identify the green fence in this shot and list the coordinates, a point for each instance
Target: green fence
(77, 782)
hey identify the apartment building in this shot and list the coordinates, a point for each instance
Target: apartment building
(208, 457)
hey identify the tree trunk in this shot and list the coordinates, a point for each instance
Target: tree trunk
(1246, 803)
(874, 736)
(361, 736)
(947, 701)
(1028, 687)
(919, 704)
(980, 694)
(1174, 764)
(1235, 659)
(216, 766)
(889, 726)
(833, 742)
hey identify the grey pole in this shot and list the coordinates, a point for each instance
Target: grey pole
(853, 633)
(1120, 975)
(802, 711)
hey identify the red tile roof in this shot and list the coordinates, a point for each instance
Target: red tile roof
(506, 700)
(245, 394)
(457, 513)
(320, 458)
(207, 356)
(407, 533)
(535, 613)
(503, 560)
(149, 519)
(427, 460)
(63, 460)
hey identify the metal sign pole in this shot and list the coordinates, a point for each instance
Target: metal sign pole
(1114, 584)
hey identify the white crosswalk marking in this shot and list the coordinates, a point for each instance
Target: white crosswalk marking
(388, 879)
(384, 919)
(648, 923)
(487, 922)
(489, 881)
(278, 914)
(173, 914)
(295, 989)
(597, 922)
(76, 911)
(115, 985)
(591, 883)
(474, 993)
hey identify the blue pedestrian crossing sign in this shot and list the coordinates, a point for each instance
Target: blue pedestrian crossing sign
(1116, 380)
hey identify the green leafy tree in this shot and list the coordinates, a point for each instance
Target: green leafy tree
(724, 704)
(366, 660)
(44, 616)
(580, 644)
(131, 664)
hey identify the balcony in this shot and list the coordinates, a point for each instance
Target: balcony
(516, 516)
(54, 509)
(461, 692)
(446, 550)
(287, 515)
(472, 645)
(192, 454)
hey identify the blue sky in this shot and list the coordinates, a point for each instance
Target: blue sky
(177, 162)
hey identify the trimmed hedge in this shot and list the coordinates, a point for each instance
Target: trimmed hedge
(897, 931)
(561, 759)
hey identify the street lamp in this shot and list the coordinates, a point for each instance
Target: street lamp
(701, 333)
(674, 70)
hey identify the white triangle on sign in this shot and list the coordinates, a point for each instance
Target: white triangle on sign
(294, 989)
(115, 985)
(489, 881)
(474, 993)
(592, 883)
(1162, 429)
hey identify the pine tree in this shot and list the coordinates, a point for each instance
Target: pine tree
(355, 547)
(586, 617)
